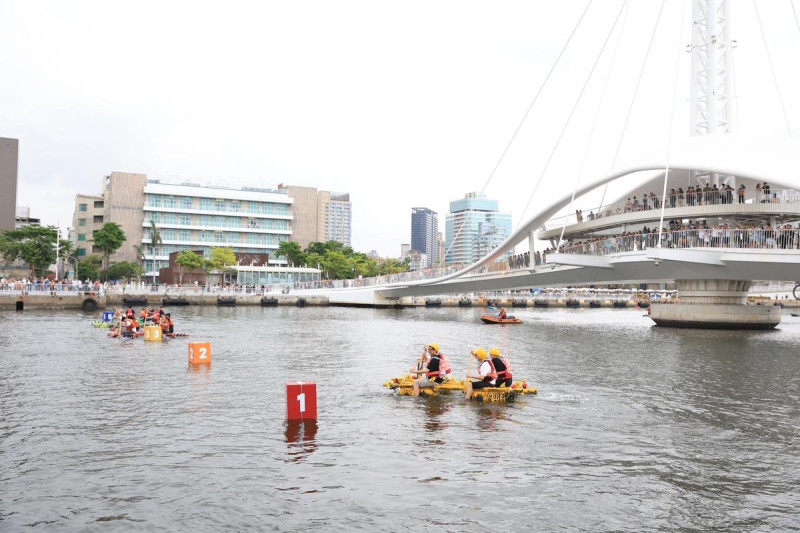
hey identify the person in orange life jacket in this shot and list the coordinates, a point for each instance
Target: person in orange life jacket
(170, 323)
(486, 372)
(130, 313)
(163, 321)
(502, 314)
(503, 368)
(434, 371)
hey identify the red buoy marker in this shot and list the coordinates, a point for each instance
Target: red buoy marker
(301, 400)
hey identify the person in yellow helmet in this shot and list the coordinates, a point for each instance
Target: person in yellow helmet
(486, 373)
(434, 368)
(503, 368)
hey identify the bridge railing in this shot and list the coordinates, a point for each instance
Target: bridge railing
(774, 196)
(695, 238)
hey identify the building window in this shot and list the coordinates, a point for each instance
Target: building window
(81, 221)
(205, 204)
(236, 207)
(170, 201)
(185, 220)
(82, 207)
(98, 204)
(98, 219)
(81, 236)
(186, 203)
(219, 205)
(81, 252)
(154, 200)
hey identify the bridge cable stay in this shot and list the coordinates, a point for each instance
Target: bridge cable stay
(794, 11)
(671, 124)
(521, 122)
(594, 122)
(772, 69)
(571, 113)
(633, 99)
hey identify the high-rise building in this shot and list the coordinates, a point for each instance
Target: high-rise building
(425, 233)
(86, 219)
(319, 216)
(474, 227)
(9, 161)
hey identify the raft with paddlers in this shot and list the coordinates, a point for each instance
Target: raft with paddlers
(138, 334)
(492, 319)
(405, 387)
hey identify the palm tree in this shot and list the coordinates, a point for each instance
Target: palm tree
(155, 240)
(139, 254)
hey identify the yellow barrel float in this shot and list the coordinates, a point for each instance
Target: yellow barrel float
(152, 333)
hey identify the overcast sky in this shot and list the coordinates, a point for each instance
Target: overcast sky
(401, 104)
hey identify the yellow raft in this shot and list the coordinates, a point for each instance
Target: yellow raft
(405, 387)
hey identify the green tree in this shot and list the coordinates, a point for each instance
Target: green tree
(189, 261)
(109, 239)
(221, 260)
(125, 270)
(155, 240)
(89, 267)
(36, 245)
(292, 252)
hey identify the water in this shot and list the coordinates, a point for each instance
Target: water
(635, 427)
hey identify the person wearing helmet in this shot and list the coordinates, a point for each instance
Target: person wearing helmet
(486, 373)
(431, 368)
(503, 368)
(502, 315)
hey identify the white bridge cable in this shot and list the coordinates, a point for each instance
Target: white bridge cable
(633, 99)
(794, 11)
(524, 118)
(772, 69)
(671, 124)
(594, 123)
(571, 113)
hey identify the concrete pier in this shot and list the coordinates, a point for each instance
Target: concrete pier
(715, 304)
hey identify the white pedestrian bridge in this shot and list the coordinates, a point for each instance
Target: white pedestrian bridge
(712, 244)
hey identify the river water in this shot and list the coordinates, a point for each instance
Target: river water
(635, 428)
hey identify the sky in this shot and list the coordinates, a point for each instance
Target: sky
(401, 104)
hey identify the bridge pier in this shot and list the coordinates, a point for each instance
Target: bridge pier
(714, 304)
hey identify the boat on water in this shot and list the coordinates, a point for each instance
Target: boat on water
(404, 386)
(139, 334)
(491, 319)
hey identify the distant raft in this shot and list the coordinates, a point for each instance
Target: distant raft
(491, 319)
(405, 387)
(138, 334)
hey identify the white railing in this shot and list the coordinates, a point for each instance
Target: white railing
(694, 238)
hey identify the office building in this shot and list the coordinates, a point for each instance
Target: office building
(9, 161)
(319, 216)
(188, 216)
(474, 227)
(425, 233)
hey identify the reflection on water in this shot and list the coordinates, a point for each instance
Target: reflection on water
(301, 438)
(634, 427)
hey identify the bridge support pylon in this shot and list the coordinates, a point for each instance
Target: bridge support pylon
(715, 304)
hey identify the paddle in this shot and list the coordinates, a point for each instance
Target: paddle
(466, 384)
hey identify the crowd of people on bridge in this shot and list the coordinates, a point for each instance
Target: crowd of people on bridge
(693, 196)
